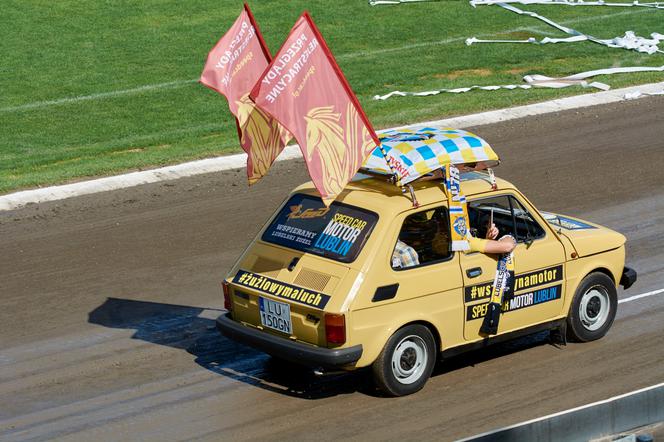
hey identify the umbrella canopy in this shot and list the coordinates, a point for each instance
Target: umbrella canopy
(417, 152)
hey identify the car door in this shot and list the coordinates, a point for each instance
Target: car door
(429, 286)
(538, 265)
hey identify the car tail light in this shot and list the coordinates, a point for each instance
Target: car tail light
(228, 302)
(335, 328)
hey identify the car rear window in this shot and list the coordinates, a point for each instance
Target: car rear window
(337, 232)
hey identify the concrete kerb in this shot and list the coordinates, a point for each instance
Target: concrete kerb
(611, 416)
(53, 193)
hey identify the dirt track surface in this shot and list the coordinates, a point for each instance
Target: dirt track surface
(107, 306)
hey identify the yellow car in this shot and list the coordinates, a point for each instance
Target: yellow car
(325, 287)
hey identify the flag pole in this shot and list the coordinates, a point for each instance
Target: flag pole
(395, 175)
(396, 179)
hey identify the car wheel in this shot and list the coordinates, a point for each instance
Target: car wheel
(406, 362)
(593, 308)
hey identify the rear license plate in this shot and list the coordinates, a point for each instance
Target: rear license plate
(275, 315)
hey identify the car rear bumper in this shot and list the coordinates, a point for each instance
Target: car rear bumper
(628, 277)
(297, 352)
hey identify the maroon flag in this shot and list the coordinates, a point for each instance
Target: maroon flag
(305, 90)
(233, 66)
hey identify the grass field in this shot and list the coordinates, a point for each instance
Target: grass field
(91, 88)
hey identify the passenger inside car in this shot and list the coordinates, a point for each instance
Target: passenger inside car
(424, 238)
(404, 256)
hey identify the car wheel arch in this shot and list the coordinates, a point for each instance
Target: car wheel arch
(588, 270)
(373, 349)
(407, 359)
(604, 270)
(432, 328)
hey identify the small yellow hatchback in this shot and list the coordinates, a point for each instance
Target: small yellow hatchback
(330, 287)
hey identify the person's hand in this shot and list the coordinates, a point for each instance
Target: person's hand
(492, 232)
(504, 245)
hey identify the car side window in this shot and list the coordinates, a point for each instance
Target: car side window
(527, 228)
(481, 211)
(509, 216)
(424, 239)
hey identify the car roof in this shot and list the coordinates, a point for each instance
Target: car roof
(383, 197)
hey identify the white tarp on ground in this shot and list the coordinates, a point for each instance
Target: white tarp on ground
(536, 80)
(474, 3)
(656, 5)
(629, 41)
(460, 90)
(394, 2)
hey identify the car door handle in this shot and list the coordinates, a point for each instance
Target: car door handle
(474, 272)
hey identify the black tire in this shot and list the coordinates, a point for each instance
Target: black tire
(593, 308)
(414, 347)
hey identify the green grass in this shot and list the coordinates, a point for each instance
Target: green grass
(52, 51)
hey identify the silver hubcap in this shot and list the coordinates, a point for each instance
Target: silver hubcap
(409, 359)
(594, 308)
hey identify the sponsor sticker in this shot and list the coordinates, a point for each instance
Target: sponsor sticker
(281, 289)
(340, 234)
(565, 222)
(297, 212)
(336, 232)
(406, 137)
(517, 302)
(522, 282)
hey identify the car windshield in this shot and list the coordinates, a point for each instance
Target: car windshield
(337, 232)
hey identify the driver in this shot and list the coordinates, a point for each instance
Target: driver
(489, 244)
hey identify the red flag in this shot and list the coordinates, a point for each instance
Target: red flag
(306, 91)
(233, 66)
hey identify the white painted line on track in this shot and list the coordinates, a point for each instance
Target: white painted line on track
(18, 199)
(572, 410)
(642, 295)
(560, 413)
(538, 29)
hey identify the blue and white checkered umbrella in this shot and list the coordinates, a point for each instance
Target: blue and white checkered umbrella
(416, 152)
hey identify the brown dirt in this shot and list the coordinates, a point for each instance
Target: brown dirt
(463, 73)
(517, 71)
(107, 304)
